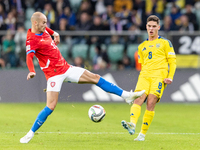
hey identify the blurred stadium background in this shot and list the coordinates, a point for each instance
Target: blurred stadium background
(102, 36)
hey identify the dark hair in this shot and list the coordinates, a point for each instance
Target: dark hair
(153, 18)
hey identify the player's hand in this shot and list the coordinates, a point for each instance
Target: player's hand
(57, 39)
(31, 75)
(167, 80)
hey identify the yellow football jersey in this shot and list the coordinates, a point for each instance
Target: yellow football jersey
(154, 56)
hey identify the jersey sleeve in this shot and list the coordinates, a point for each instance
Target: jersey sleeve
(29, 62)
(169, 50)
(140, 58)
(49, 31)
(171, 57)
(172, 67)
(31, 46)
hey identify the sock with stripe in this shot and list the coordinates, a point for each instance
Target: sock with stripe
(41, 118)
(147, 119)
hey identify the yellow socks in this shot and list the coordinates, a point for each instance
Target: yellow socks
(147, 119)
(135, 113)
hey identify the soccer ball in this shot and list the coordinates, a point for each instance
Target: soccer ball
(96, 113)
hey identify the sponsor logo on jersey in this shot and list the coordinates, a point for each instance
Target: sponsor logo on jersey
(159, 91)
(131, 114)
(144, 49)
(53, 84)
(150, 45)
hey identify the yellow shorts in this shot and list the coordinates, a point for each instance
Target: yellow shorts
(151, 85)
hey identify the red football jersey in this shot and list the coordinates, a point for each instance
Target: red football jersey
(49, 57)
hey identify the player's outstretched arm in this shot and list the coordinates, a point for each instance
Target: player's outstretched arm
(55, 34)
(56, 38)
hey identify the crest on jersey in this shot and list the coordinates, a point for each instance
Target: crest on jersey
(157, 45)
(53, 84)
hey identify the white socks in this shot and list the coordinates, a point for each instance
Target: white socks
(125, 94)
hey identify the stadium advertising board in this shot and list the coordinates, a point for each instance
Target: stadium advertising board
(187, 48)
(186, 44)
(15, 87)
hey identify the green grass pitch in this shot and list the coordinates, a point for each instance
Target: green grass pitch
(175, 127)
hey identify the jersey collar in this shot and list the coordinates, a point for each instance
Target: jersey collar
(158, 38)
(38, 34)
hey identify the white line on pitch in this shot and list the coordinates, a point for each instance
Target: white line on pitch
(102, 133)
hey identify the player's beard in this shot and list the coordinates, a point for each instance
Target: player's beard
(40, 29)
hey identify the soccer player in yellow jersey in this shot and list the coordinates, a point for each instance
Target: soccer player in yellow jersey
(158, 60)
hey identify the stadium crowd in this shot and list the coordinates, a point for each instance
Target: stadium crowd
(91, 15)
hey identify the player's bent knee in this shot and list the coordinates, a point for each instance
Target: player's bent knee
(52, 107)
(140, 100)
(151, 106)
(89, 77)
(96, 77)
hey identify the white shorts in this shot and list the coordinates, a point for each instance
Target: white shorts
(71, 75)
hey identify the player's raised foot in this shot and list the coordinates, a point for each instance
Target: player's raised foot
(140, 137)
(128, 126)
(27, 137)
(133, 96)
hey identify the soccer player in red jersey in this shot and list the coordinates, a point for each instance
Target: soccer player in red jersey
(57, 70)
